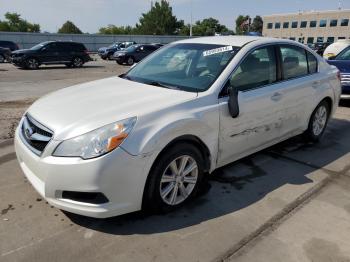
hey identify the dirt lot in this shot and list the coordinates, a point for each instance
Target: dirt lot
(287, 203)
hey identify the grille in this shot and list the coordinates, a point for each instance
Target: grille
(345, 79)
(35, 135)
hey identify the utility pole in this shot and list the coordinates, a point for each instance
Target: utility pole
(191, 21)
(339, 5)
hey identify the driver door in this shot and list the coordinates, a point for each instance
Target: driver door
(260, 99)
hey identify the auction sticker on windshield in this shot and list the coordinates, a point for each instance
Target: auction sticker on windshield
(217, 50)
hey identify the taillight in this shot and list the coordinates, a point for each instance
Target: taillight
(339, 76)
(86, 51)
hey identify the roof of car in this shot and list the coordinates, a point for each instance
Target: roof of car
(230, 40)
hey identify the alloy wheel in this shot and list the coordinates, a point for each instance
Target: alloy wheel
(2, 59)
(320, 120)
(33, 63)
(178, 180)
(77, 62)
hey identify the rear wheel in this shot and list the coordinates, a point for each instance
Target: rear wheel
(32, 63)
(119, 62)
(318, 122)
(174, 179)
(77, 62)
(2, 59)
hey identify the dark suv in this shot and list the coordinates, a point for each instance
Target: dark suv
(135, 53)
(71, 54)
(8, 44)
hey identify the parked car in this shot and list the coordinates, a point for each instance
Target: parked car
(134, 53)
(336, 48)
(147, 139)
(5, 54)
(9, 44)
(71, 54)
(342, 62)
(107, 52)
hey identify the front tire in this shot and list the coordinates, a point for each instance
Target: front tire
(318, 122)
(32, 63)
(130, 61)
(174, 179)
(2, 59)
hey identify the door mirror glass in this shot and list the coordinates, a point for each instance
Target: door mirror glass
(233, 106)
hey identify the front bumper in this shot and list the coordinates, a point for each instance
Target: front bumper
(18, 60)
(120, 176)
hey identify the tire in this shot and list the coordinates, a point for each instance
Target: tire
(110, 57)
(32, 63)
(130, 61)
(2, 59)
(77, 62)
(165, 190)
(318, 122)
(119, 62)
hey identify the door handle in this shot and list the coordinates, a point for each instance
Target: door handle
(276, 96)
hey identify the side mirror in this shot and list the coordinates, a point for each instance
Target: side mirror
(233, 106)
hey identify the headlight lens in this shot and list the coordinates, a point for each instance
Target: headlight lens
(98, 142)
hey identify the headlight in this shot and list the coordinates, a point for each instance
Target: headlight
(97, 142)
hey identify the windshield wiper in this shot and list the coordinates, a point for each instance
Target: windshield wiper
(155, 83)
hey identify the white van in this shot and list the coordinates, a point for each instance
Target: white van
(335, 48)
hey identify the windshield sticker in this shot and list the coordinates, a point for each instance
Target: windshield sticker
(217, 50)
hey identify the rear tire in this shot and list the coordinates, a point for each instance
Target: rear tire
(77, 62)
(174, 179)
(119, 62)
(130, 61)
(318, 122)
(2, 59)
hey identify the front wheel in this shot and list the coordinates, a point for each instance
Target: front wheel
(130, 61)
(2, 59)
(318, 122)
(32, 63)
(174, 179)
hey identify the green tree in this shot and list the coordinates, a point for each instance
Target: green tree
(206, 27)
(242, 24)
(14, 23)
(159, 21)
(69, 28)
(257, 25)
(117, 30)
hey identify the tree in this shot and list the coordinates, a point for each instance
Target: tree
(159, 21)
(257, 25)
(242, 24)
(14, 23)
(69, 28)
(206, 27)
(117, 30)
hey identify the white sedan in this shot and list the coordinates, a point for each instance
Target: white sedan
(147, 138)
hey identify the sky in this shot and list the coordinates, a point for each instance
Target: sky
(90, 15)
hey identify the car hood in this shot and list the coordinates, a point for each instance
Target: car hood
(23, 51)
(342, 65)
(79, 109)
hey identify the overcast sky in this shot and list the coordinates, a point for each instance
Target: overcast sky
(90, 15)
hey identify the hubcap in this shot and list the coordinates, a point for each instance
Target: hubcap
(130, 61)
(320, 120)
(77, 62)
(178, 180)
(32, 63)
(2, 59)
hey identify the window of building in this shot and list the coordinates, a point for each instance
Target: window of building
(341, 38)
(344, 22)
(330, 40)
(277, 25)
(333, 23)
(303, 24)
(294, 61)
(310, 40)
(257, 69)
(313, 23)
(323, 23)
(301, 40)
(286, 25)
(292, 38)
(269, 26)
(312, 60)
(294, 24)
(319, 39)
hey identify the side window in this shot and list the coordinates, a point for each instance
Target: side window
(345, 55)
(256, 70)
(294, 62)
(51, 47)
(312, 63)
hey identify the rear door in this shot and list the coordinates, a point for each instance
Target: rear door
(261, 103)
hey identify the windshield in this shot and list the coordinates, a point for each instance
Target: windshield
(188, 67)
(131, 48)
(114, 45)
(39, 46)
